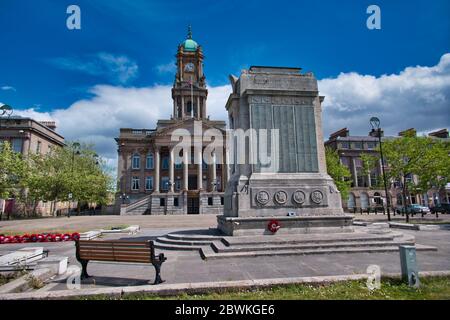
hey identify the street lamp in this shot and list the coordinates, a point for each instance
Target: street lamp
(75, 151)
(124, 198)
(375, 123)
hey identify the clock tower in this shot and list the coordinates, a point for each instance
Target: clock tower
(189, 91)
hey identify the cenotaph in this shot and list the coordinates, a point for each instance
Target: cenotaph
(292, 192)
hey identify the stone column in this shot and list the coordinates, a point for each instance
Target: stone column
(200, 170)
(171, 170)
(157, 161)
(213, 173)
(225, 169)
(355, 172)
(175, 108)
(185, 170)
(182, 107)
(198, 108)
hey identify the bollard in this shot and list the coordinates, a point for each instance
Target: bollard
(410, 272)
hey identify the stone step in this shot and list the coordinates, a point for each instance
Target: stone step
(168, 240)
(309, 238)
(220, 248)
(193, 237)
(208, 252)
(170, 246)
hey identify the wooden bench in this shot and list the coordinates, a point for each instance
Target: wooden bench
(119, 251)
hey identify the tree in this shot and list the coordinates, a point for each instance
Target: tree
(369, 163)
(12, 169)
(425, 158)
(340, 173)
(52, 177)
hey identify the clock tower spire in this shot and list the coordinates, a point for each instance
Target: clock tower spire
(189, 91)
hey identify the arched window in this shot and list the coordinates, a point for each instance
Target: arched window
(377, 198)
(189, 109)
(149, 162)
(136, 161)
(351, 201)
(364, 200)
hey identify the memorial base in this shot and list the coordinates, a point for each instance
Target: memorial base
(237, 226)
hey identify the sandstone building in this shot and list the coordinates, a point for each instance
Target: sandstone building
(149, 179)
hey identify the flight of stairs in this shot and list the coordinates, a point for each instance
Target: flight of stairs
(214, 246)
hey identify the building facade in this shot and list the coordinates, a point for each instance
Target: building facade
(28, 136)
(367, 190)
(150, 179)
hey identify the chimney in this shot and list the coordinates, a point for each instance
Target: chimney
(411, 132)
(443, 133)
(49, 124)
(344, 132)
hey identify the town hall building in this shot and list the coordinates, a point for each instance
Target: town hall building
(150, 181)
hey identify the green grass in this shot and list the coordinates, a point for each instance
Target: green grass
(432, 288)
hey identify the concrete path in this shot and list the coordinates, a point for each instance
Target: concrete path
(188, 267)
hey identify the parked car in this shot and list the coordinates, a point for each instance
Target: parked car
(441, 208)
(413, 209)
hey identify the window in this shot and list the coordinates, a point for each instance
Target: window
(345, 145)
(16, 145)
(364, 200)
(165, 163)
(135, 183)
(149, 162)
(357, 145)
(136, 162)
(38, 147)
(149, 183)
(178, 185)
(222, 201)
(210, 201)
(175, 202)
(351, 201)
(165, 183)
(162, 202)
(371, 145)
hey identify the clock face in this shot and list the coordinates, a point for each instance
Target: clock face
(189, 67)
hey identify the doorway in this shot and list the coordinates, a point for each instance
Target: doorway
(193, 205)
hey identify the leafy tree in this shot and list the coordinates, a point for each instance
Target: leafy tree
(340, 173)
(52, 177)
(369, 162)
(12, 169)
(423, 157)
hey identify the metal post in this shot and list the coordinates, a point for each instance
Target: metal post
(384, 176)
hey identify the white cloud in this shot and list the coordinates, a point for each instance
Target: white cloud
(8, 88)
(417, 97)
(117, 68)
(170, 67)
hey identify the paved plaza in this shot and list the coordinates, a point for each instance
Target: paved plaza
(187, 266)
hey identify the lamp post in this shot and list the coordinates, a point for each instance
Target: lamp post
(75, 151)
(124, 198)
(375, 123)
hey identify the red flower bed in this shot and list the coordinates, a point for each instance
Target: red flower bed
(44, 237)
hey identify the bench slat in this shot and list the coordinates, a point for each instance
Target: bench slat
(116, 249)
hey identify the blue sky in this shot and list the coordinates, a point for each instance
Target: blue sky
(126, 49)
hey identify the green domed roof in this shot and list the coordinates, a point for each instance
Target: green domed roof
(189, 44)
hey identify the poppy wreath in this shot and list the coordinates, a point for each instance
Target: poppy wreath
(43, 237)
(273, 226)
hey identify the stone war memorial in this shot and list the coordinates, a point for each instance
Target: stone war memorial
(292, 192)
(279, 199)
